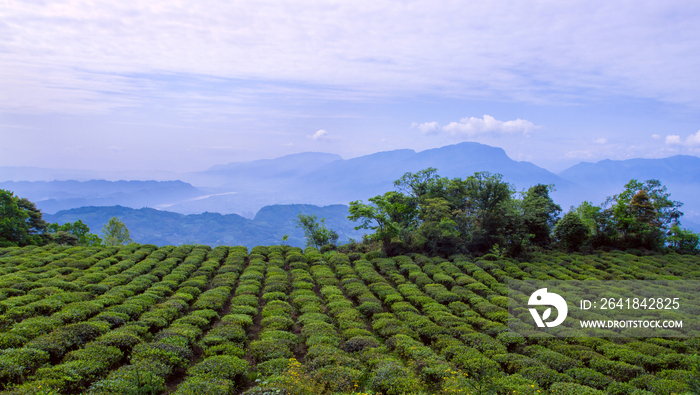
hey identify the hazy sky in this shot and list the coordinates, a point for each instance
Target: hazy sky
(175, 85)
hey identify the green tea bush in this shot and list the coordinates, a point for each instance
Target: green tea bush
(265, 350)
(573, 389)
(590, 378)
(220, 367)
(619, 371)
(18, 363)
(391, 378)
(544, 377)
(201, 385)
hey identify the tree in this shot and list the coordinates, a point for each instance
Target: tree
(438, 232)
(683, 240)
(601, 226)
(21, 223)
(115, 233)
(390, 215)
(571, 232)
(77, 229)
(488, 206)
(316, 233)
(643, 213)
(540, 213)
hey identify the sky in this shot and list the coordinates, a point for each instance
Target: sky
(181, 86)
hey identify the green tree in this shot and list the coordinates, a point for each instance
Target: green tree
(488, 209)
(390, 215)
(571, 232)
(77, 229)
(683, 240)
(21, 223)
(601, 226)
(315, 231)
(643, 213)
(115, 233)
(438, 232)
(540, 213)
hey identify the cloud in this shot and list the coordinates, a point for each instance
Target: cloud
(656, 136)
(601, 140)
(489, 125)
(323, 135)
(691, 141)
(79, 53)
(578, 154)
(427, 127)
(116, 148)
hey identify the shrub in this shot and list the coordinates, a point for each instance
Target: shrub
(391, 378)
(19, 363)
(544, 377)
(224, 349)
(573, 389)
(370, 308)
(359, 343)
(553, 359)
(272, 367)
(220, 367)
(166, 354)
(590, 378)
(619, 371)
(265, 350)
(226, 332)
(338, 378)
(514, 363)
(274, 296)
(198, 385)
(125, 379)
(659, 386)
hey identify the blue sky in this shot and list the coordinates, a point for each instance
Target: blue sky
(181, 86)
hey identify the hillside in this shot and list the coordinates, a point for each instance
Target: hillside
(196, 320)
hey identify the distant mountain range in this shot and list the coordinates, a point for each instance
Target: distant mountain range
(150, 226)
(52, 196)
(324, 179)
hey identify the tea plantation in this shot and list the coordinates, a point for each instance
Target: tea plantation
(278, 320)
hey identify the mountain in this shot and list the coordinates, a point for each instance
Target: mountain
(150, 226)
(52, 196)
(680, 174)
(341, 181)
(240, 176)
(31, 173)
(325, 179)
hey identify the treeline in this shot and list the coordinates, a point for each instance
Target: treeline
(482, 214)
(21, 224)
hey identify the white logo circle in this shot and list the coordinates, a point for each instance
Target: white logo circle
(543, 298)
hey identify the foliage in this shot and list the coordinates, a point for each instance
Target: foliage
(390, 215)
(571, 232)
(115, 233)
(21, 223)
(80, 232)
(540, 213)
(439, 215)
(682, 240)
(642, 212)
(193, 317)
(316, 233)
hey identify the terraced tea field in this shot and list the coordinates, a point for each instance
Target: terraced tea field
(279, 320)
